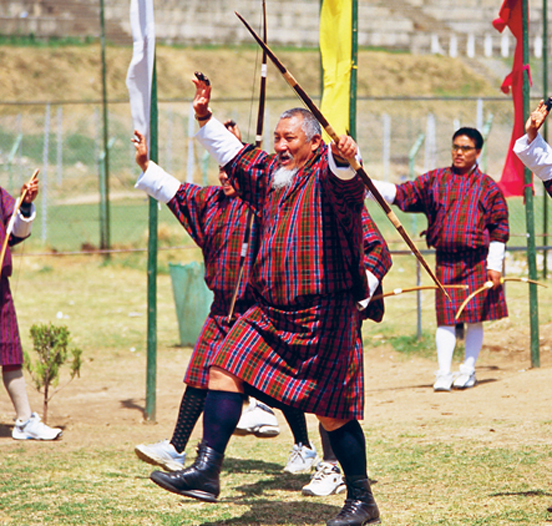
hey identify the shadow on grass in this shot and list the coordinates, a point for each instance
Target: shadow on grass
(277, 512)
(530, 493)
(238, 465)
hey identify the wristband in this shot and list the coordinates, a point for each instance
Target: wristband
(205, 117)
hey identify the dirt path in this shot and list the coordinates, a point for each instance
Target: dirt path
(105, 407)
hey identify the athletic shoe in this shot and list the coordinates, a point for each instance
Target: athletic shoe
(34, 429)
(301, 459)
(465, 379)
(326, 480)
(257, 419)
(443, 382)
(161, 454)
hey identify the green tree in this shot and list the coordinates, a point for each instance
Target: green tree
(51, 343)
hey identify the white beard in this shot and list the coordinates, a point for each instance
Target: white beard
(283, 178)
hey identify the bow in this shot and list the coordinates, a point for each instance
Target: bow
(396, 292)
(489, 285)
(12, 220)
(258, 143)
(355, 165)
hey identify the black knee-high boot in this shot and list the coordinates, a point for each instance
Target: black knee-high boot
(200, 481)
(360, 506)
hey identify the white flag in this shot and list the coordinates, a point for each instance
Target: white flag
(140, 71)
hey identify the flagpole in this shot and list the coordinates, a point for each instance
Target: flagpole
(545, 129)
(105, 242)
(354, 70)
(151, 371)
(529, 212)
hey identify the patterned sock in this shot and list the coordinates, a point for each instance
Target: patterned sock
(298, 424)
(191, 408)
(350, 449)
(329, 455)
(220, 417)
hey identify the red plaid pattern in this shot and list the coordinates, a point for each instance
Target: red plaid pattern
(10, 344)
(300, 343)
(217, 224)
(377, 259)
(464, 213)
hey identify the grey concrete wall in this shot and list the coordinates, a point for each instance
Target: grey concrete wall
(421, 26)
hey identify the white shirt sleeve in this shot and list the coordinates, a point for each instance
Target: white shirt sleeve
(373, 283)
(495, 257)
(342, 172)
(221, 144)
(22, 225)
(387, 190)
(536, 155)
(157, 183)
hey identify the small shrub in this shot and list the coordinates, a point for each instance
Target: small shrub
(51, 343)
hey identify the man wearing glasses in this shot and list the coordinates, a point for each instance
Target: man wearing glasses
(467, 220)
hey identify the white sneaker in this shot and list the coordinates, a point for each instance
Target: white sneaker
(326, 480)
(161, 454)
(465, 379)
(443, 382)
(34, 429)
(301, 459)
(257, 419)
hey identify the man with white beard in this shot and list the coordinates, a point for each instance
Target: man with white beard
(298, 344)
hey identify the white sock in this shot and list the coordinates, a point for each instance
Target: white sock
(474, 341)
(14, 382)
(445, 338)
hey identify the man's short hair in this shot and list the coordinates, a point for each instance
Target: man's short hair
(310, 125)
(473, 134)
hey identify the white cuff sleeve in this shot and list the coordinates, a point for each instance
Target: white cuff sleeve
(495, 257)
(22, 225)
(157, 183)
(536, 155)
(373, 283)
(342, 172)
(222, 145)
(387, 190)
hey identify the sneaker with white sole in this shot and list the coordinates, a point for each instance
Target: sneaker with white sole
(34, 429)
(257, 419)
(326, 480)
(443, 382)
(161, 454)
(465, 379)
(301, 459)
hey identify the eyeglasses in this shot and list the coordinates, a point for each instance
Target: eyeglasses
(462, 148)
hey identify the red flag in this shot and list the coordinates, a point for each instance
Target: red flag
(511, 16)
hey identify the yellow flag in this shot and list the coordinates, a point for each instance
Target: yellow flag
(335, 48)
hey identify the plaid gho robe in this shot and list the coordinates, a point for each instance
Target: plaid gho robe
(11, 352)
(299, 342)
(377, 259)
(217, 224)
(464, 214)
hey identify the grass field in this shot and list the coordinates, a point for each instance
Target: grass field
(480, 457)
